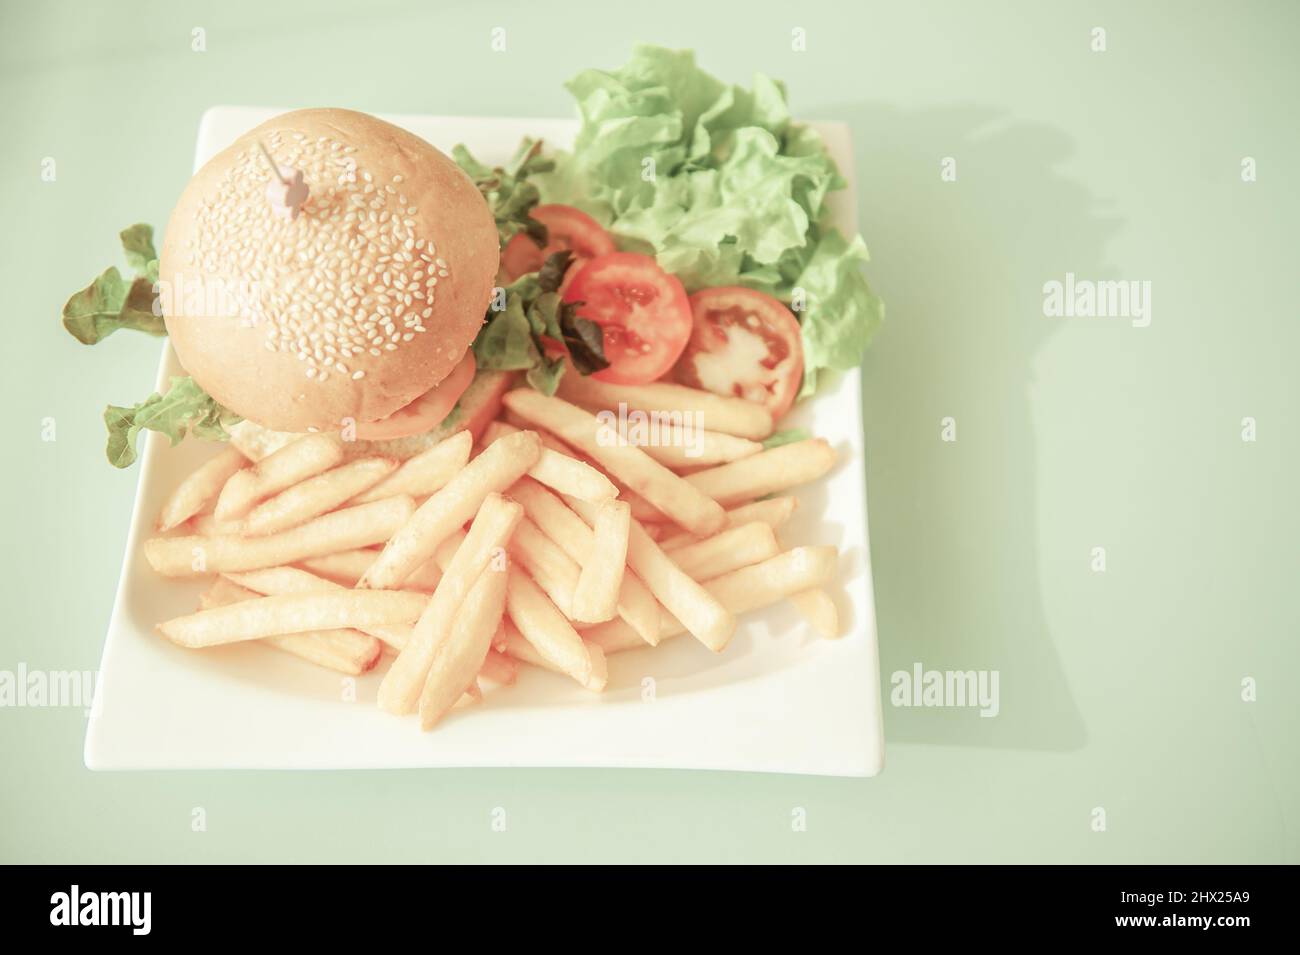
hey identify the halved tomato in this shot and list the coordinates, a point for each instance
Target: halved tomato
(643, 311)
(427, 411)
(745, 344)
(566, 228)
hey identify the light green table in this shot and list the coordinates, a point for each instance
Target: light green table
(1119, 690)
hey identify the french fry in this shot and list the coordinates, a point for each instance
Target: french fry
(557, 469)
(774, 470)
(344, 529)
(683, 447)
(549, 566)
(224, 592)
(207, 525)
(501, 464)
(727, 551)
(792, 571)
(682, 502)
(348, 566)
(735, 416)
(595, 599)
(316, 495)
(200, 488)
(499, 668)
(295, 462)
(638, 607)
(773, 511)
(758, 585)
(568, 475)
(427, 472)
(293, 613)
(706, 619)
(818, 607)
(543, 626)
(492, 526)
(273, 581)
(644, 511)
(458, 659)
(344, 650)
(510, 642)
(557, 520)
(550, 634)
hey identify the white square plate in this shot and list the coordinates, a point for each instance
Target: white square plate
(779, 699)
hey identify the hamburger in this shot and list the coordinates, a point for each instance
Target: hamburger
(331, 272)
(353, 312)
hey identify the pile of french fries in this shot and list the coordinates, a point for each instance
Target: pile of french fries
(553, 544)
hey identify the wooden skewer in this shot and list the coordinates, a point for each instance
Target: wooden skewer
(275, 170)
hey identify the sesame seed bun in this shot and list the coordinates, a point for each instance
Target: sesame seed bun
(352, 309)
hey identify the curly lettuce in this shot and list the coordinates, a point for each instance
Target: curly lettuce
(185, 409)
(723, 188)
(110, 303)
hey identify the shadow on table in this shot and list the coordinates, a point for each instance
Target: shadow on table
(954, 531)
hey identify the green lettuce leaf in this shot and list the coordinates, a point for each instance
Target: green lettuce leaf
(506, 341)
(513, 337)
(137, 242)
(184, 409)
(111, 302)
(841, 313)
(721, 186)
(507, 190)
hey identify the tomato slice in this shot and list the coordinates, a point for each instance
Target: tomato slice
(489, 403)
(644, 312)
(745, 344)
(427, 411)
(566, 228)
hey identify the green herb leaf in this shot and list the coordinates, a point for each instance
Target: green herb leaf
(184, 409)
(507, 190)
(109, 303)
(137, 241)
(506, 342)
(515, 338)
(545, 375)
(584, 339)
(551, 275)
